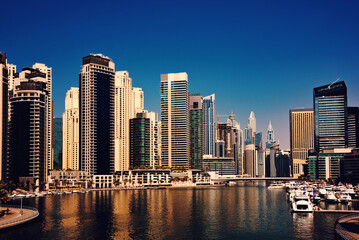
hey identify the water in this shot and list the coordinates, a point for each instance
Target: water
(245, 211)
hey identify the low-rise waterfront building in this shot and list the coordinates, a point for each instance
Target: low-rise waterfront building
(349, 167)
(222, 165)
(325, 165)
(143, 177)
(68, 179)
(102, 181)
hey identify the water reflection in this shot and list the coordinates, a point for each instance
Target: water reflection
(247, 211)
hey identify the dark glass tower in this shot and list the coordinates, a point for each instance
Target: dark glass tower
(97, 114)
(27, 138)
(196, 131)
(140, 141)
(330, 112)
(353, 127)
(57, 142)
(4, 115)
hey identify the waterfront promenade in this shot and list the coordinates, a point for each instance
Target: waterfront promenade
(347, 227)
(17, 215)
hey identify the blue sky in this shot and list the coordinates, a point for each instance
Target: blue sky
(262, 56)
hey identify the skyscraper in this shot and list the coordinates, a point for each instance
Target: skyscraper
(3, 114)
(209, 124)
(140, 140)
(71, 130)
(270, 136)
(175, 119)
(250, 130)
(138, 100)
(49, 118)
(353, 127)
(28, 126)
(57, 142)
(155, 139)
(258, 140)
(301, 137)
(97, 114)
(124, 111)
(196, 130)
(330, 112)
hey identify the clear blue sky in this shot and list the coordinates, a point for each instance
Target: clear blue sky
(261, 56)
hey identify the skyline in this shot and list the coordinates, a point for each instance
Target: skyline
(259, 50)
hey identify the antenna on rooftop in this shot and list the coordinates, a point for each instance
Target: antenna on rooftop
(334, 82)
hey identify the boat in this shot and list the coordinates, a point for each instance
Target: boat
(322, 192)
(344, 197)
(330, 197)
(302, 204)
(276, 186)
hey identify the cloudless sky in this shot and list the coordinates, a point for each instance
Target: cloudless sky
(255, 55)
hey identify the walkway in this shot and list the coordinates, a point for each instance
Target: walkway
(347, 227)
(14, 217)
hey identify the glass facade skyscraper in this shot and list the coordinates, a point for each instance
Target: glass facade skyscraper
(330, 112)
(353, 127)
(196, 131)
(97, 114)
(209, 124)
(175, 120)
(140, 141)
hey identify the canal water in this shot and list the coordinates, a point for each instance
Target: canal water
(246, 211)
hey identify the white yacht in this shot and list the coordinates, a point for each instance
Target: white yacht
(276, 186)
(302, 204)
(330, 197)
(344, 197)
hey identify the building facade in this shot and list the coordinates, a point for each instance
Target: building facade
(270, 136)
(124, 111)
(330, 113)
(353, 127)
(49, 141)
(71, 130)
(301, 123)
(28, 126)
(209, 124)
(97, 115)
(175, 120)
(196, 131)
(3, 115)
(140, 141)
(57, 143)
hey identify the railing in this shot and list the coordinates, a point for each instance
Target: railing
(22, 218)
(343, 232)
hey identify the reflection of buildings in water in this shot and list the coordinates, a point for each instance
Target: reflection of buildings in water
(303, 225)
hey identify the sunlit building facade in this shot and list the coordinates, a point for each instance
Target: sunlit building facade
(301, 123)
(97, 115)
(175, 120)
(209, 124)
(330, 112)
(49, 118)
(71, 131)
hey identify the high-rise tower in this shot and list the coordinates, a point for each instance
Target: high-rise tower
(209, 123)
(97, 114)
(301, 137)
(175, 119)
(270, 136)
(196, 130)
(353, 127)
(124, 111)
(28, 126)
(71, 130)
(48, 72)
(3, 114)
(330, 112)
